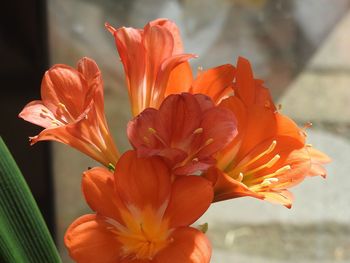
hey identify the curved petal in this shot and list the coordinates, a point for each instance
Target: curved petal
(245, 83)
(287, 127)
(88, 68)
(318, 159)
(173, 29)
(179, 116)
(142, 182)
(189, 245)
(220, 134)
(64, 85)
(90, 240)
(158, 43)
(130, 48)
(215, 82)
(165, 70)
(37, 113)
(99, 190)
(180, 79)
(190, 198)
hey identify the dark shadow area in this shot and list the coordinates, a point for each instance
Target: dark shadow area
(24, 59)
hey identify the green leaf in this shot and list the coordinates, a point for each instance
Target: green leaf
(24, 237)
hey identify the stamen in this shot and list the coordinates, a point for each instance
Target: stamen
(240, 177)
(269, 176)
(64, 108)
(155, 134)
(269, 181)
(57, 123)
(283, 169)
(198, 131)
(195, 160)
(267, 151)
(269, 164)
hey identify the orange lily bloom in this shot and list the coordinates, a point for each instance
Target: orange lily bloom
(182, 132)
(72, 111)
(141, 215)
(148, 56)
(269, 154)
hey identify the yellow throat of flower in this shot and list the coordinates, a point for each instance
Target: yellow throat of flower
(143, 234)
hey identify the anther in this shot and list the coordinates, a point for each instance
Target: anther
(198, 131)
(283, 169)
(240, 177)
(195, 160)
(209, 141)
(151, 130)
(308, 125)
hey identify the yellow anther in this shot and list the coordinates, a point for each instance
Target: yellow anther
(151, 130)
(240, 177)
(209, 141)
(197, 131)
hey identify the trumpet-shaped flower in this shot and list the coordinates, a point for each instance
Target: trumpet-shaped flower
(141, 215)
(72, 111)
(187, 131)
(148, 56)
(269, 154)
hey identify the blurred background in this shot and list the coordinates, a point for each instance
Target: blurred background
(300, 48)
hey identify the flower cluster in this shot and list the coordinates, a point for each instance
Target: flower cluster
(195, 140)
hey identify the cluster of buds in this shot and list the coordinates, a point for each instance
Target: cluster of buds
(195, 140)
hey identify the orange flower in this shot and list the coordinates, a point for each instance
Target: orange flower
(72, 111)
(269, 154)
(141, 216)
(148, 56)
(187, 131)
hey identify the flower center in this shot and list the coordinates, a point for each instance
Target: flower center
(255, 178)
(144, 234)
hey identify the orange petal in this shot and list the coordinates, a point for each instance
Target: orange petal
(62, 84)
(154, 38)
(142, 181)
(37, 113)
(130, 49)
(221, 134)
(215, 82)
(189, 246)
(279, 197)
(88, 68)
(287, 127)
(180, 79)
(260, 126)
(163, 76)
(318, 159)
(190, 198)
(245, 83)
(89, 240)
(99, 191)
(173, 29)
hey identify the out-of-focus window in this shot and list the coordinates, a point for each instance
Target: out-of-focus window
(301, 49)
